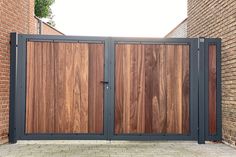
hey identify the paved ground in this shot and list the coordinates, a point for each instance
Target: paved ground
(114, 149)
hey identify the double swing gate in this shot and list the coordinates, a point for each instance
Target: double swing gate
(68, 87)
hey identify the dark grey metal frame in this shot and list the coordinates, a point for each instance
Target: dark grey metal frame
(197, 79)
(18, 76)
(201, 91)
(218, 135)
(13, 87)
(193, 89)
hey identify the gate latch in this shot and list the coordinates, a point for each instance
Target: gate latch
(104, 82)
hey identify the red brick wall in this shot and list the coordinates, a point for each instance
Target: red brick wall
(15, 16)
(46, 29)
(180, 31)
(217, 18)
(31, 21)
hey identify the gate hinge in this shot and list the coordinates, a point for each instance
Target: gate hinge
(11, 43)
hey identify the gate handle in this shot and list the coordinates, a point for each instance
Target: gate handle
(104, 82)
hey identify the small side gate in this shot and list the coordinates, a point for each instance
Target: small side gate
(68, 87)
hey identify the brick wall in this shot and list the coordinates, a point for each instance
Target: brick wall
(180, 31)
(47, 29)
(15, 16)
(217, 18)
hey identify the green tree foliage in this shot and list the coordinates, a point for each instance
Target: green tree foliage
(42, 8)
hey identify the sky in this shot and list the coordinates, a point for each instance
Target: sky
(118, 18)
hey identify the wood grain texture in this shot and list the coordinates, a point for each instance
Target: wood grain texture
(171, 89)
(212, 89)
(149, 76)
(96, 73)
(151, 89)
(185, 89)
(162, 92)
(64, 93)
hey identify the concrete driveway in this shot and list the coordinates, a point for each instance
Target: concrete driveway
(115, 149)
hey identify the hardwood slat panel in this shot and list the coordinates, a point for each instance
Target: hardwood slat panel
(96, 74)
(99, 92)
(83, 87)
(42, 84)
(148, 87)
(76, 91)
(30, 87)
(212, 89)
(58, 87)
(62, 120)
(70, 62)
(141, 90)
(170, 89)
(155, 86)
(133, 88)
(50, 90)
(162, 96)
(119, 88)
(39, 113)
(185, 90)
(92, 90)
(127, 91)
(36, 96)
(178, 88)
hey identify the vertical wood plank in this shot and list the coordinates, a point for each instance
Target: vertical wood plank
(76, 91)
(83, 84)
(141, 90)
(50, 90)
(178, 93)
(96, 74)
(99, 92)
(29, 87)
(119, 99)
(127, 91)
(133, 88)
(62, 110)
(92, 90)
(42, 84)
(148, 87)
(69, 85)
(212, 89)
(185, 90)
(170, 89)
(36, 96)
(162, 96)
(155, 65)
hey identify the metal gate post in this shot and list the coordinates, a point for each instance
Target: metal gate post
(201, 94)
(13, 66)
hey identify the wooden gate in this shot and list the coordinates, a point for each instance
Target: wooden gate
(114, 88)
(63, 89)
(152, 89)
